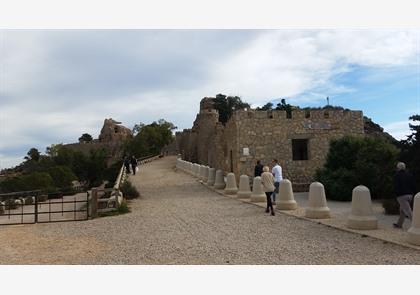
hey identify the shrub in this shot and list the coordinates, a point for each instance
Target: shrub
(353, 161)
(391, 206)
(129, 191)
(123, 208)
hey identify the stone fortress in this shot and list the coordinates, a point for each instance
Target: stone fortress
(299, 140)
(111, 138)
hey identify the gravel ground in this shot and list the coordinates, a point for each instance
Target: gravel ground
(178, 221)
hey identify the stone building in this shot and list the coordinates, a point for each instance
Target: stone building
(299, 140)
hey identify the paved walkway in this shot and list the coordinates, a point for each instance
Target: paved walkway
(177, 220)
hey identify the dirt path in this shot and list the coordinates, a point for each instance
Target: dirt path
(179, 221)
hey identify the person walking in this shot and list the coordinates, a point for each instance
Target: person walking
(267, 181)
(133, 162)
(127, 165)
(258, 170)
(404, 189)
(277, 172)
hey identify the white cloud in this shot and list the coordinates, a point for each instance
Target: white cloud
(54, 86)
(399, 130)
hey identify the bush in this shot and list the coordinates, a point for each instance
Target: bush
(391, 206)
(123, 208)
(353, 161)
(129, 191)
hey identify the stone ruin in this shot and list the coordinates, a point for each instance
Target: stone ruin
(111, 138)
(112, 131)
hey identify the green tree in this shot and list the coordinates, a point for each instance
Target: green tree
(283, 106)
(226, 105)
(86, 137)
(33, 155)
(62, 176)
(353, 161)
(150, 139)
(410, 149)
(267, 107)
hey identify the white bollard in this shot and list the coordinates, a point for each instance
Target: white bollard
(317, 202)
(212, 177)
(219, 182)
(231, 187)
(257, 195)
(197, 170)
(190, 168)
(286, 199)
(202, 172)
(244, 189)
(206, 174)
(361, 216)
(414, 230)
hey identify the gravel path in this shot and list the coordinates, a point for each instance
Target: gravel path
(178, 221)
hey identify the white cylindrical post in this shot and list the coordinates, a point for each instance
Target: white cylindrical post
(361, 216)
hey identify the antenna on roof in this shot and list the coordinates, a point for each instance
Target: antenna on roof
(328, 101)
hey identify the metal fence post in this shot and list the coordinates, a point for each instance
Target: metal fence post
(36, 208)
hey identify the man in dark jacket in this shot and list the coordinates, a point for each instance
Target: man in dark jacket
(404, 189)
(127, 165)
(133, 164)
(258, 169)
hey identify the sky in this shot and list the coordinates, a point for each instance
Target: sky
(58, 84)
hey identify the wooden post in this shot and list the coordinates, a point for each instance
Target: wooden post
(94, 203)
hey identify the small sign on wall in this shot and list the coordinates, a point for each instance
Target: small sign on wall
(246, 151)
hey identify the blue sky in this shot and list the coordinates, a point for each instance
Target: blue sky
(57, 84)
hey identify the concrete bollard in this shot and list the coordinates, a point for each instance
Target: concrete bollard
(414, 230)
(286, 199)
(317, 202)
(196, 170)
(244, 189)
(231, 187)
(219, 182)
(257, 195)
(212, 177)
(201, 175)
(190, 168)
(206, 174)
(361, 216)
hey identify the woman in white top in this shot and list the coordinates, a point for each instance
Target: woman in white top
(267, 181)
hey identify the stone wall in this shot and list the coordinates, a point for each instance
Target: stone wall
(269, 134)
(266, 135)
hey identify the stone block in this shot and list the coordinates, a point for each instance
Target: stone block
(361, 216)
(212, 177)
(286, 199)
(231, 187)
(414, 230)
(317, 202)
(244, 191)
(219, 180)
(206, 174)
(257, 195)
